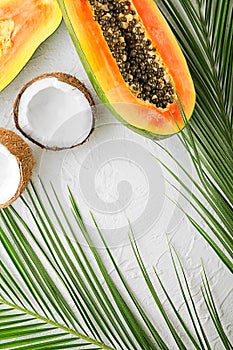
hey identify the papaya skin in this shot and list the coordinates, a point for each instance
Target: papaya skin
(104, 73)
(24, 25)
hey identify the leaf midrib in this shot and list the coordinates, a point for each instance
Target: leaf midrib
(57, 325)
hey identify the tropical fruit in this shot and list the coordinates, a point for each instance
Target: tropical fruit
(24, 25)
(134, 63)
(55, 111)
(16, 164)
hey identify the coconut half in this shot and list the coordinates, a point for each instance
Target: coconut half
(55, 111)
(16, 164)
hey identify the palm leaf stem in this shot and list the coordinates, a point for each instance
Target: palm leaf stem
(57, 325)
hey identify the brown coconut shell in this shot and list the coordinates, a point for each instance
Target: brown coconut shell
(23, 153)
(65, 78)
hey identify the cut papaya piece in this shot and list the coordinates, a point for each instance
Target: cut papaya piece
(24, 25)
(134, 62)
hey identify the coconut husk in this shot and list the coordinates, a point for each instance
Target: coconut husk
(23, 153)
(68, 79)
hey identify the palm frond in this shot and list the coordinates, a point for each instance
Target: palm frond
(62, 304)
(201, 208)
(204, 30)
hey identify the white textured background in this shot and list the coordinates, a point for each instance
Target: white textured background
(117, 171)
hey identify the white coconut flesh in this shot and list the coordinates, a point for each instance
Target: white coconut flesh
(55, 113)
(9, 175)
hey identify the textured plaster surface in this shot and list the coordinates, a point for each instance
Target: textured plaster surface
(115, 175)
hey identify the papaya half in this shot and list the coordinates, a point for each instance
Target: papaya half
(134, 63)
(24, 25)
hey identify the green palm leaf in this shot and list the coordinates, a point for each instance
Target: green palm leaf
(34, 308)
(204, 30)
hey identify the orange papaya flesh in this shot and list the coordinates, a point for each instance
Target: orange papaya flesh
(139, 114)
(24, 25)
